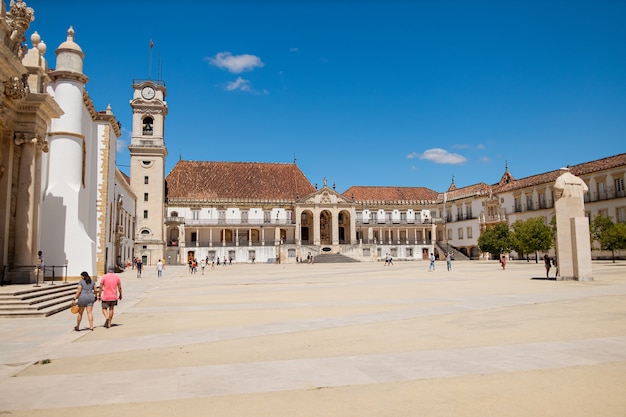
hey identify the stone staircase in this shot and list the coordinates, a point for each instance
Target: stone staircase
(32, 301)
(333, 258)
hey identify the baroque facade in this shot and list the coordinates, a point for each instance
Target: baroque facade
(26, 111)
(62, 194)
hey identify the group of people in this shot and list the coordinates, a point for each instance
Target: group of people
(204, 262)
(137, 263)
(108, 293)
(388, 260)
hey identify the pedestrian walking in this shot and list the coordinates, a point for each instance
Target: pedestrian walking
(110, 292)
(448, 261)
(548, 264)
(139, 267)
(159, 267)
(85, 297)
(503, 261)
(431, 267)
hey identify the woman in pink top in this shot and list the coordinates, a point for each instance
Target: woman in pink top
(110, 287)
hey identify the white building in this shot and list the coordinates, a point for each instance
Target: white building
(82, 189)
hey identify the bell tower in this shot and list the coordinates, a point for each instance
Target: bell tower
(147, 168)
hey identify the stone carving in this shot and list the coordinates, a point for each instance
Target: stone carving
(22, 138)
(19, 18)
(16, 88)
(569, 185)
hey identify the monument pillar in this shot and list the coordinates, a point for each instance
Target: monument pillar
(573, 245)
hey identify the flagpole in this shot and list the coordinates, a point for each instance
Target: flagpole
(150, 69)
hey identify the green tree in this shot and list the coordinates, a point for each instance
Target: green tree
(496, 239)
(609, 235)
(531, 235)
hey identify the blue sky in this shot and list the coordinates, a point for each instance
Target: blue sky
(380, 93)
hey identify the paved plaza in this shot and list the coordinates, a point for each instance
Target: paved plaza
(331, 340)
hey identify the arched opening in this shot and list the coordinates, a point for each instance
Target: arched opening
(306, 227)
(326, 235)
(147, 123)
(344, 227)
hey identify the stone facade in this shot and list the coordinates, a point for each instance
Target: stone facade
(61, 191)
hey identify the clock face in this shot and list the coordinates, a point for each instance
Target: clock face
(147, 93)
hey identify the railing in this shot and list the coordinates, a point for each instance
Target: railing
(230, 222)
(242, 242)
(39, 270)
(390, 222)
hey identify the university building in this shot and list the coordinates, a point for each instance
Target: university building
(270, 212)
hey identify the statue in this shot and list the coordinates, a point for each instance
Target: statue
(573, 245)
(569, 185)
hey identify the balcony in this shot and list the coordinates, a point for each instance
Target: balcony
(229, 222)
(398, 222)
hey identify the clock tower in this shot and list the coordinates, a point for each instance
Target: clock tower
(147, 168)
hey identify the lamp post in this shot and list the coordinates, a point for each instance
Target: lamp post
(279, 239)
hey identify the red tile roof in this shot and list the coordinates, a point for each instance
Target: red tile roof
(236, 181)
(551, 176)
(390, 195)
(469, 191)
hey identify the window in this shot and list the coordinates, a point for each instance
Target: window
(601, 191)
(469, 232)
(518, 204)
(449, 234)
(195, 214)
(145, 196)
(148, 122)
(145, 179)
(620, 214)
(194, 236)
(619, 187)
(529, 202)
(145, 214)
(460, 232)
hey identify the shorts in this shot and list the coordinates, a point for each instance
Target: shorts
(107, 304)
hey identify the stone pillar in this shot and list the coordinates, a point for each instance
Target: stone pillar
(24, 253)
(573, 245)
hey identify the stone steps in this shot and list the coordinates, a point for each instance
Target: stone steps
(333, 258)
(30, 301)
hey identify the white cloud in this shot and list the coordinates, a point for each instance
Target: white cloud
(485, 159)
(239, 84)
(122, 145)
(293, 49)
(412, 155)
(242, 84)
(441, 156)
(236, 64)
(480, 146)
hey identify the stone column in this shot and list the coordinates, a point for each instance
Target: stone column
(24, 253)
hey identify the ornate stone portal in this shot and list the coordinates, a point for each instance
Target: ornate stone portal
(573, 245)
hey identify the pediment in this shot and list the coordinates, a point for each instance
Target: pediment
(325, 196)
